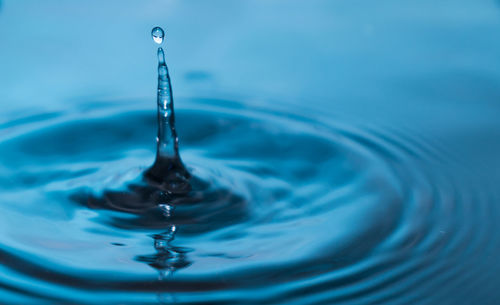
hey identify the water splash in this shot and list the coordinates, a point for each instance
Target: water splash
(168, 168)
(388, 224)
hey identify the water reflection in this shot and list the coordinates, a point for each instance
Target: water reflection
(167, 258)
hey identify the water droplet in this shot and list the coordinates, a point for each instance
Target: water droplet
(167, 160)
(157, 33)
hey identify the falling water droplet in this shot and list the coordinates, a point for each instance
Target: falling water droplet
(157, 33)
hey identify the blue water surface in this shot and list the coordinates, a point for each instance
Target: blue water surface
(342, 152)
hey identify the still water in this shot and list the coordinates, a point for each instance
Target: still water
(337, 153)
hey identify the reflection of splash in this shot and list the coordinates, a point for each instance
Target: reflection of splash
(167, 259)
(207, 207)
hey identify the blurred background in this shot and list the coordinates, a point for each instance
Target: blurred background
(389, 59)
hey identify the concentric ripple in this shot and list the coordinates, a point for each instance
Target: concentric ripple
(284, 209)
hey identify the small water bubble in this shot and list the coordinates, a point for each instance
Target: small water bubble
(157, 33)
